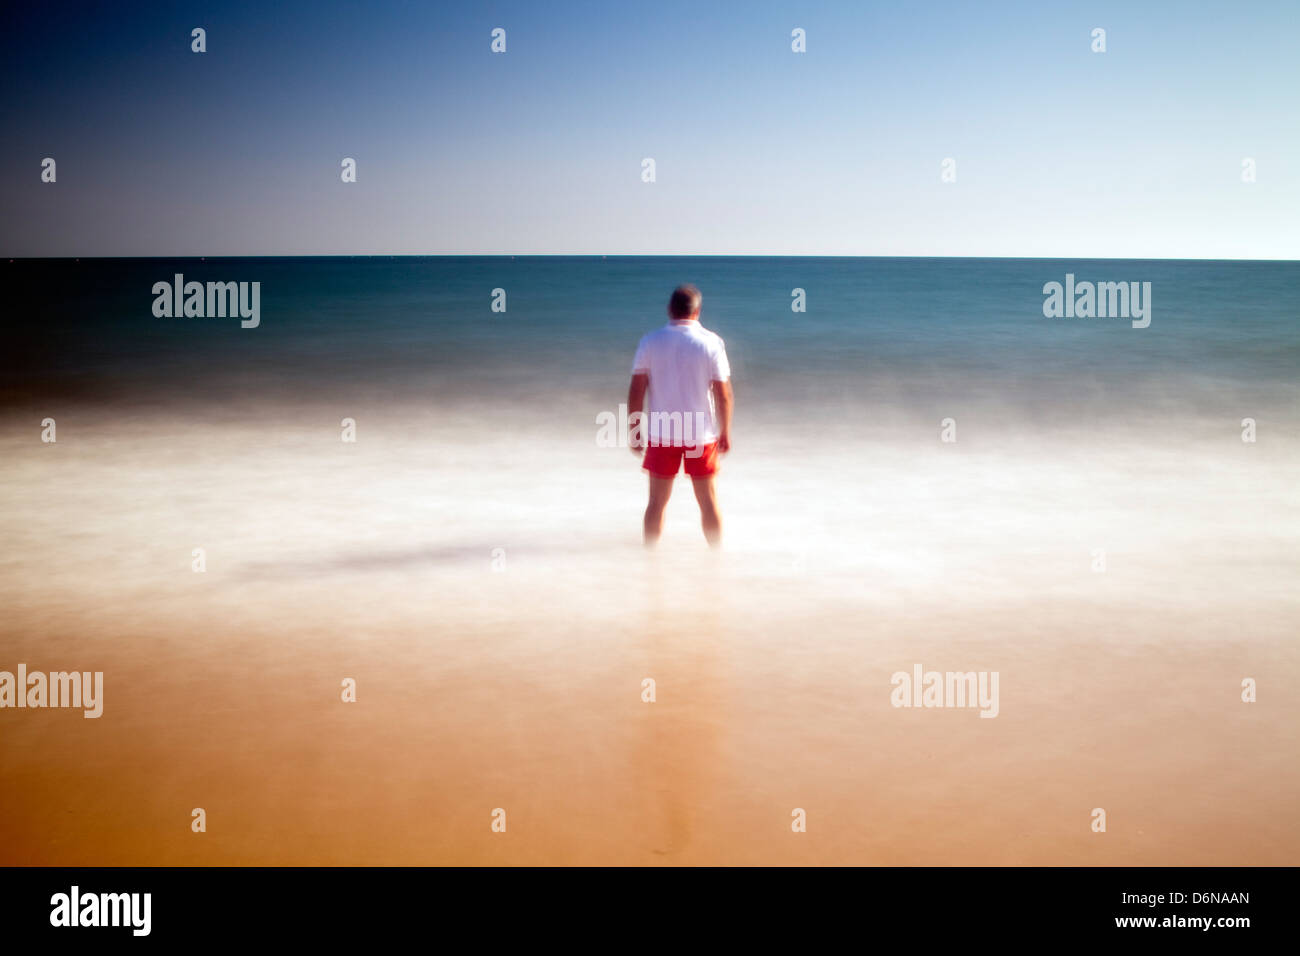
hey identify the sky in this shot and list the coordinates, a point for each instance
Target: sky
(758, 150)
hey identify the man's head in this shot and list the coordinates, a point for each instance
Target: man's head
(685, 302)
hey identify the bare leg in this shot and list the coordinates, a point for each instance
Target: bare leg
(660, 489)
(710, 517)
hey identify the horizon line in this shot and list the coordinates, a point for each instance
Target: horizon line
(636, 255)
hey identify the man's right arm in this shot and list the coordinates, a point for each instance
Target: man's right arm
(723, 401)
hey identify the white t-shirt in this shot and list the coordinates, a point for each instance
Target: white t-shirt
(682, 359)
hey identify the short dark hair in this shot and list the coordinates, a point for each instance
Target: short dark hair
(685, 302)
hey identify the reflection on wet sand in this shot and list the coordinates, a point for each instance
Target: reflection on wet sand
(678, 748)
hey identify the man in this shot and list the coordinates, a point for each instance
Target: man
(682, 368)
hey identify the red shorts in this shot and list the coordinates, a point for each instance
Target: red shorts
(664, 461)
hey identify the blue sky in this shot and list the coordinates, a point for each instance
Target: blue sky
(837, 151)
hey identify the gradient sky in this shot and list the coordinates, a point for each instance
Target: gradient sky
(1060, 151)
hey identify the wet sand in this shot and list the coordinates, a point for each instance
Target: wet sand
(520, 687)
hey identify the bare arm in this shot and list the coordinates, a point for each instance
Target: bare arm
(635, 408)
(723, 400)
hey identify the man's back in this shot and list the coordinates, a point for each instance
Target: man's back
(682, 359)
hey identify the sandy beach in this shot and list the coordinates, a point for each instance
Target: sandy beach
(499, 621)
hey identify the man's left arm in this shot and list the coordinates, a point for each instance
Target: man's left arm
(635, 410)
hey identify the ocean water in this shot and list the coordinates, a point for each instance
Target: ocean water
(884, 335)
(1098, 533)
